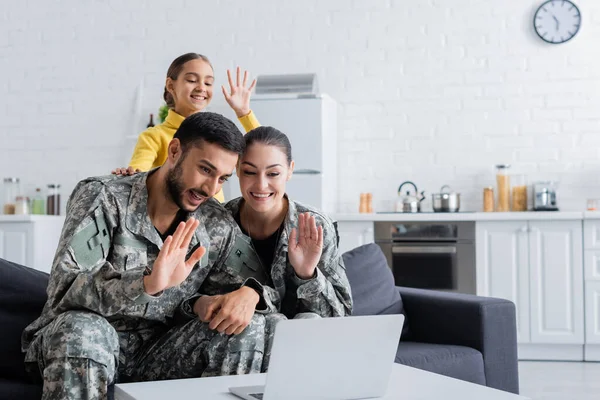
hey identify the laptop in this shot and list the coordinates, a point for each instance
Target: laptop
(329, 358)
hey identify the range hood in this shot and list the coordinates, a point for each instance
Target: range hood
(292, 85)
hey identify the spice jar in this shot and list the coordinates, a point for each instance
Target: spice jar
(53, 200)
(363, 206)
(369, 203)
(11, 191)
(519, 193)
(503, 187)
(488, 199)
(22, 205)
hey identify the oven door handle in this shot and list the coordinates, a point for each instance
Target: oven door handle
(424, 250)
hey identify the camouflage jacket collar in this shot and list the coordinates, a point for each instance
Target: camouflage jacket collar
(137, 219)
(291, 220)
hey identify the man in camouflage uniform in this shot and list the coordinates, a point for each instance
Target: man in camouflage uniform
(323, 292)
(128, 256)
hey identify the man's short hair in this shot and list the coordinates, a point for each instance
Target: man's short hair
(211, 128)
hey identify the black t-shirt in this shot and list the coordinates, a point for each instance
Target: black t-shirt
(265, 248)
(181, 216)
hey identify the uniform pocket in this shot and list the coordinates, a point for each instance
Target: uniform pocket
(133, 252)
(204, 260)
(243, 261)
(91, 244)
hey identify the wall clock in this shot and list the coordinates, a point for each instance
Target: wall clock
(557, 21)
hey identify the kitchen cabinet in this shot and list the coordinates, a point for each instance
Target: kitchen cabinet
(354, 234)
(556, 281)
(591, 233)
(30, 240)
(592, 321)
(592, 289)
(502, 253)
(15, 241)
(539, 266)
(592, 265)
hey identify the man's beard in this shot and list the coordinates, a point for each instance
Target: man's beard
(176, 189)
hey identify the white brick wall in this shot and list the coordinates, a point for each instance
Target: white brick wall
(431, 91)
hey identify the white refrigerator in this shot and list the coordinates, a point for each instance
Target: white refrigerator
(310, 122)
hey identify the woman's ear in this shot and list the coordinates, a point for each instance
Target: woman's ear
(290, 171)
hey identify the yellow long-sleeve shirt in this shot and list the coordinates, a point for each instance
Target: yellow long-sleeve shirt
(151, 147)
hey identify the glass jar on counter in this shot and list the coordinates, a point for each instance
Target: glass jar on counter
(519, 193)
(503, 187)
(53, 200)
(38, 206)
(488, 199)
(22, 205)
(11, 189)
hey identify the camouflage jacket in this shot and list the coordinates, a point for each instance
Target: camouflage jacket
(327, 294)
(108, 242)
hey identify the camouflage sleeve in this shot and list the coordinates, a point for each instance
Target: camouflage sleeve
(185, 311)
(234, 264)
(269, 298)
(221, 283)
(267, 304)
(328, 292)
(220, 234)
(81, 277)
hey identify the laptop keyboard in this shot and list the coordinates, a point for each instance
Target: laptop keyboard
(258, 396)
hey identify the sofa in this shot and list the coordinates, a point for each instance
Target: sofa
(22, 297)
(462, 336)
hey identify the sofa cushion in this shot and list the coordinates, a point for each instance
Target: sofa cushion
(22, 297)
(458, 362)
(372, 283)
(19, 390)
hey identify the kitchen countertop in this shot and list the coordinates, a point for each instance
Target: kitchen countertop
(591, 215)
(424, 216)
(470, 216)
(29, 218)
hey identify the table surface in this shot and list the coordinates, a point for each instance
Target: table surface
(405, 383)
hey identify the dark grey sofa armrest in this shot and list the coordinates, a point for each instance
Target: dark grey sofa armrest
(483, 323)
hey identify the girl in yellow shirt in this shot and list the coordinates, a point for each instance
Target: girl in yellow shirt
(188, 90)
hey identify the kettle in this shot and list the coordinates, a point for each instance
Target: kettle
(408, 203)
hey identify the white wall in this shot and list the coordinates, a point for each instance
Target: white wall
(431, 91)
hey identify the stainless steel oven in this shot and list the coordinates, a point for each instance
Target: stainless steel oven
(430, 255)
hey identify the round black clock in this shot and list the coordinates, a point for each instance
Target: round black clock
(557, 21)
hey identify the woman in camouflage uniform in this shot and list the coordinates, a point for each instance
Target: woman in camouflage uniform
(296, 245)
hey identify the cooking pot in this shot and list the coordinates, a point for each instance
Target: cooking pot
(446, 200)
